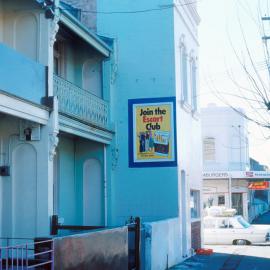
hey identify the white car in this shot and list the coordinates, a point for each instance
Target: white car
(233, 230)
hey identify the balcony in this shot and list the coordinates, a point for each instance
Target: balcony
(80, 104)
(21, 76)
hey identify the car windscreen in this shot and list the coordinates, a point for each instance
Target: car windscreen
(243, 222)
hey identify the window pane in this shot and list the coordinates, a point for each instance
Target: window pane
(184, 75)
(194, 85)
(209, 151)
(221, 200)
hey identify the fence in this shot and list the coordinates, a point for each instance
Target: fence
(34, 254)
(39, 253)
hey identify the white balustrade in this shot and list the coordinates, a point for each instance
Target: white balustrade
(80, 104)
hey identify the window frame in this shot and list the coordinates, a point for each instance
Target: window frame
(193, 84)
(213, 149)
(184, 74)
(59, 56)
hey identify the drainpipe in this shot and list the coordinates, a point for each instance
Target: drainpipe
(230, 190)
(105, 186)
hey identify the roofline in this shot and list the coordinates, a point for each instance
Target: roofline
(77, 27)
(91, 38)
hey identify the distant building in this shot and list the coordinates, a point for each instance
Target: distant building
(259, 196)
(226, 162)
(257, 166)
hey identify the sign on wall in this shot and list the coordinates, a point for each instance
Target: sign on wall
(259, 185)
(152, 132)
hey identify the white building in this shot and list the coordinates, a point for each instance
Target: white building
(226, 161)
(225, 140)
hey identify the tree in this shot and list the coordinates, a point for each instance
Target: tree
(255, 94)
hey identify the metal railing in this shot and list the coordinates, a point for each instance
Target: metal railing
(56, 226)
(80, 104)
(30, 255)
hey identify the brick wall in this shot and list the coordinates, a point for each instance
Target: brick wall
(88, 19)
(196, 235)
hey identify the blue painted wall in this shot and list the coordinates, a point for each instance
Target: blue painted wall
(145, 58)
(21, 76)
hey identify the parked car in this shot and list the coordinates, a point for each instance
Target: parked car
(233, 230)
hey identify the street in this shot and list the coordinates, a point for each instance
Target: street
(230, 258)
(255, 257)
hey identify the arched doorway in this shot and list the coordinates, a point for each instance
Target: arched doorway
(24, 191)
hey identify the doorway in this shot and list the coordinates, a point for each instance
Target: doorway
(24, 191)
(237, 203)
(93, 193)
(184, 213)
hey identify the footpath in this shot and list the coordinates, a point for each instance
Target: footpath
(204, 262)
(232, 257)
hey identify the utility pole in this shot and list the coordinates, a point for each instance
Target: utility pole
(230, 190)
(265, 39)
(240, 145)
(240, 148)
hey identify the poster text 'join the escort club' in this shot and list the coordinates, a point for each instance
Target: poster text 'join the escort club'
(152, 134)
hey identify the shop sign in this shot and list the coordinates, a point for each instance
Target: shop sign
(215, 175)
(259, 185)
(258, 174)
(152, 132)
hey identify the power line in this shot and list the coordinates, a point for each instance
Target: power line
(161, 8)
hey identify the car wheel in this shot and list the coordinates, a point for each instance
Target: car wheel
(241, 242)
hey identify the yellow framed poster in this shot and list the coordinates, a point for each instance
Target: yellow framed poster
(152, 132)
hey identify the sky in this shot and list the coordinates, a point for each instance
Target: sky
(230, 34)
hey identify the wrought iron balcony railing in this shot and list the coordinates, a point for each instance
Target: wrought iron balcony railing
(80, 104)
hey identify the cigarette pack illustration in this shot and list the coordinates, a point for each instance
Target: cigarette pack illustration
(162, 143)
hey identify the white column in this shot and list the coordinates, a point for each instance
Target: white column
(230, 191)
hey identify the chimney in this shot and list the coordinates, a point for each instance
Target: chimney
(87, 18)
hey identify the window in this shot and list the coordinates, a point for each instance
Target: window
(243, 222)
(184, 73)
(209, 149)
(221, 200)
(195, 203)
(58, 62)
(92, 76)
(194, 85)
